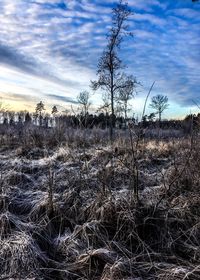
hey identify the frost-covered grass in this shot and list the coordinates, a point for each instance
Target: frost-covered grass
(68, 211)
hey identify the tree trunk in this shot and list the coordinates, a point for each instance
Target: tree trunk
(112, 119)
(112, 101)
(125, 114)
(159, 118)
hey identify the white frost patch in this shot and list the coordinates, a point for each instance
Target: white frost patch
(153, 190)
(178, 270)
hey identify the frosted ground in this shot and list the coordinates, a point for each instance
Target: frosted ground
(69, 211)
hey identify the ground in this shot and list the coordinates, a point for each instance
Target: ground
(86, 209)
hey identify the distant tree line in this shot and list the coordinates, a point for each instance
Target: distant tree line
(86, 120)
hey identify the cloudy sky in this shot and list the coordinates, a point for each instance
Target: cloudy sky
(49, 51)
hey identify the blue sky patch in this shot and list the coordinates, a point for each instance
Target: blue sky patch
(56, 44)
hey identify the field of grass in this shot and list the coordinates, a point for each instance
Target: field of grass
(74, 207)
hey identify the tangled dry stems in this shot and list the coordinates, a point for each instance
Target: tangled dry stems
(95, 229)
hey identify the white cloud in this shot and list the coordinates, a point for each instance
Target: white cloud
(155, 20)
(61, 41)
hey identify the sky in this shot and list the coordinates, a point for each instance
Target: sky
(49, 51)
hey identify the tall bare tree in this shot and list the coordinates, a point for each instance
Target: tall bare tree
(110, 76)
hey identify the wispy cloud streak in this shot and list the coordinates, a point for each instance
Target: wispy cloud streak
(60, 42)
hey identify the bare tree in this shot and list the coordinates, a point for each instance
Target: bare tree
(84, 100)
(159, 103)
(125, 94)
(110, 77)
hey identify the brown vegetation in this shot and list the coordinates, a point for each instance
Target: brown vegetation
(68, 209)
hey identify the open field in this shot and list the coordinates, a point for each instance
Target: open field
(74, 207)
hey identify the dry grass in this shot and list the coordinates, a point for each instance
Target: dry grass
(96, 230)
